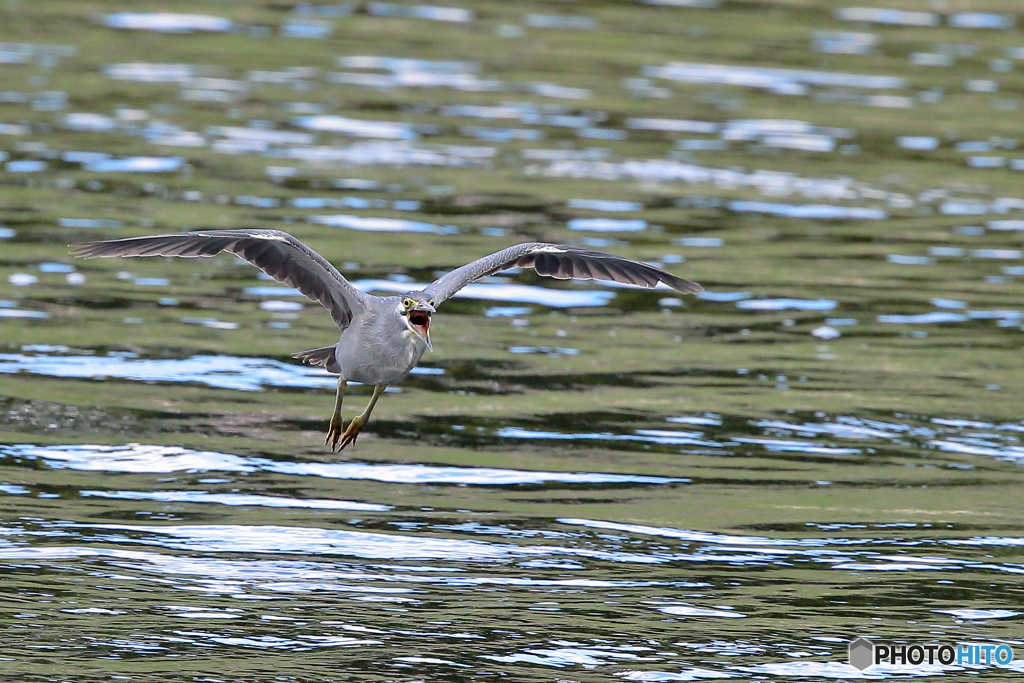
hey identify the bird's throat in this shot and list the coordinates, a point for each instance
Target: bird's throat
(419, 321)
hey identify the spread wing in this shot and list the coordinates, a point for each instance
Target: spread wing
(562, 262)
(276, 253)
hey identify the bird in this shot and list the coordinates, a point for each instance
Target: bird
(382, 337)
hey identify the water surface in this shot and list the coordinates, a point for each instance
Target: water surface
(582, 482)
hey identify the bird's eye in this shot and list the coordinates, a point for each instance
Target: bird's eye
(408, 303)
(431, 302)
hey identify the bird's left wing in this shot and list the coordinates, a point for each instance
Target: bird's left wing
(562, 262)
(276, 253)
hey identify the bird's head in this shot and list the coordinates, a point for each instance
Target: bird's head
(416, 309)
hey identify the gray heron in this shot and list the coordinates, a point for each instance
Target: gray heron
(382, 337)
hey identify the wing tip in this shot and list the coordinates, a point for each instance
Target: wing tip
(681, 285)
(690, 287)
(83, 249)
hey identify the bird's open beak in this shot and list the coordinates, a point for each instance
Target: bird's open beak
(419, 319)
(425, 333)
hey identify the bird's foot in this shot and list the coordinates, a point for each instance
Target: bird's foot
(349, 437)
(334, 433)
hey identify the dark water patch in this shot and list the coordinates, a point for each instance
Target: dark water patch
(481, 432)
(582, 382)
(462, 372)
(807, 437)
(100, 302)
(44, 416)
(487, 387)
(479, 368)
(465, 205)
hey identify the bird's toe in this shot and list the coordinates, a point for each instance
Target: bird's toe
(352, 433)
(333, 434)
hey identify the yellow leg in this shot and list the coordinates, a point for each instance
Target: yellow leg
(334, 430)
(357, 423)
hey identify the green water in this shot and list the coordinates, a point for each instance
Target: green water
(651, 488)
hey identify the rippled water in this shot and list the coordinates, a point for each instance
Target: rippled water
(583, 482)
(164, 553)
(224, 372)
(642, 602)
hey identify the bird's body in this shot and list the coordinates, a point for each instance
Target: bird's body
(382, 337)
(363, 358)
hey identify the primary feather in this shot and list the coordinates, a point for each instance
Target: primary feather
(276, 253)
(561, 262)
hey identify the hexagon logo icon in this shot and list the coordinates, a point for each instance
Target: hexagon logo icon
(862, 653)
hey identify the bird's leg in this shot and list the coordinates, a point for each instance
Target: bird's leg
(357, 423)
(334, 430)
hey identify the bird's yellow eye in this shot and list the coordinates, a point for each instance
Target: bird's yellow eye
(408, 303)
(431, 302)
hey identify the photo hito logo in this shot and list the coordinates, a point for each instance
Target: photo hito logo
(864, 653)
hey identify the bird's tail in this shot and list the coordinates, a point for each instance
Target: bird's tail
(323, 357)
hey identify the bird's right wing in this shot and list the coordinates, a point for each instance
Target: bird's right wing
(562, 262)
(276, 253)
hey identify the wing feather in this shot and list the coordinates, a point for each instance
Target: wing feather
(276, 253)
(581, 267)
(561, 262)
(601, 271)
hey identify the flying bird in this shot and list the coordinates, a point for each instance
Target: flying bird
(382, 337)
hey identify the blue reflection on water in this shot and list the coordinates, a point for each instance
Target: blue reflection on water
(787, 304)
(135, 165)
(376, 224)
(165, 459)
(527, 294)
(817, 211)
(418, 542)
(608, 224)
(222, 372)
(166, 22)
(235, 499)
(923, 318)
